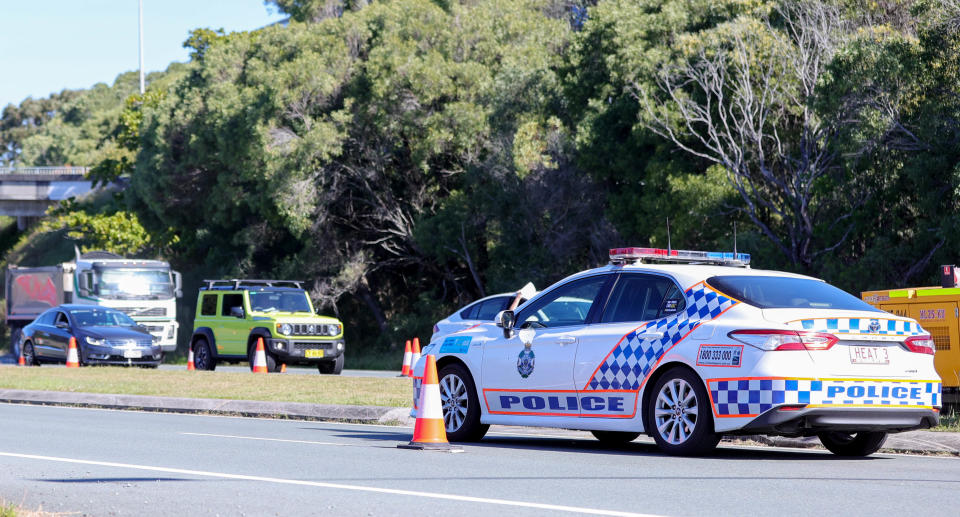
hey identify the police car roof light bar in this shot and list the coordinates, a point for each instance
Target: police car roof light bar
(646, 255)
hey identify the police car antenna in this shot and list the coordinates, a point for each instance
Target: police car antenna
(668, 236)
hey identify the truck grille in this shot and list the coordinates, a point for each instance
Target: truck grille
(153, 328)
(134, 312)
(941, 337)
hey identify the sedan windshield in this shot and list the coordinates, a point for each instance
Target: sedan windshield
(778, 292)
(100, 317)
(279, 301)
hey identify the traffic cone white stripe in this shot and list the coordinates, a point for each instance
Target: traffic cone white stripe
(430, 405)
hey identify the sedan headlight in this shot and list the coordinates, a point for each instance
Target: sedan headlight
(93, 341)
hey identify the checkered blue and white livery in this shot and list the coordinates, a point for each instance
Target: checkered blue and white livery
(752, 397)
(873, 326)
(629, 363)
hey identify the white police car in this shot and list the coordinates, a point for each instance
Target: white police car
(689, 351)
(481, 311)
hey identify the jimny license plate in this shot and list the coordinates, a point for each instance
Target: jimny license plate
(312, 353)
(869, 355)
(132, 354)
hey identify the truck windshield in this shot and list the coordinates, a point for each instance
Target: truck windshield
(279, 301)
(778, 292)
(129, 284)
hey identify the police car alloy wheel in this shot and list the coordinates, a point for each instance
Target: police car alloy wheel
(461, 409)
(853, 444)
(680, 418)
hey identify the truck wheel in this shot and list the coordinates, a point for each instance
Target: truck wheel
(203, 356)
(331, 367)
(15, 334)
(680, 415)
(29, 356)
(856, 444)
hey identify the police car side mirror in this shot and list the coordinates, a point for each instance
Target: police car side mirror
(506, 320)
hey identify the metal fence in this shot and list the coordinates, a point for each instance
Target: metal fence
(46, 171)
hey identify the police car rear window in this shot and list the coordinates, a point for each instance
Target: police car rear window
(777, 292)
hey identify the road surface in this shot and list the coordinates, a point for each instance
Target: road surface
(102, 462)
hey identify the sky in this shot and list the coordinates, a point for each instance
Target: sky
(49, 45)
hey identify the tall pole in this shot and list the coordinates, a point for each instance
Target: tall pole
(141, 48)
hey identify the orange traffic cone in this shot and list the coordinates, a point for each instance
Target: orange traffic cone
(283, 368)
(20, 360)
(190, 366)
(429, 433)
(73, 361)
(416, 355)
(407, 355)
(260, 359)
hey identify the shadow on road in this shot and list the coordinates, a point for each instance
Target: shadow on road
(590, 446)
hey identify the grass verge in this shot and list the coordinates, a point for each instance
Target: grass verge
(949, 420)
(312, 389)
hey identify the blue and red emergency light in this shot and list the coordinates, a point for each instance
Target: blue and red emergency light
(623, 255)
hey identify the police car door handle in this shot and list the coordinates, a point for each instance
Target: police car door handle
(651, 335)
(566, 340)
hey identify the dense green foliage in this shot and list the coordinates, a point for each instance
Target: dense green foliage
(407, 156)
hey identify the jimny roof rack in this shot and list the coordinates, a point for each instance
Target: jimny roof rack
(237, 283)
(621, 256)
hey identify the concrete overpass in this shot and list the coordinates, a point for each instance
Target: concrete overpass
(27, 192)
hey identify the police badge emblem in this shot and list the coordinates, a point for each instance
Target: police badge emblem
(874, 326)
(526, 360)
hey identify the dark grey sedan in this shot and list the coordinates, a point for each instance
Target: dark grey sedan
(104, 336)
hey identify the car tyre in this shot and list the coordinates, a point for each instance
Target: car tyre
(863, 443)
(615, 437)
(203, 355)
(461, 408)
(272, 365)
(331, 367)
(29, 355)
(679, 414)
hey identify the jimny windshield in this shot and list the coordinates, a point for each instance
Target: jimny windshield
(279, 301)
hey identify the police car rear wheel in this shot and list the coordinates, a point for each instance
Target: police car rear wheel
(856, 444)
(615, 437)
(461, 408)
(680, 415)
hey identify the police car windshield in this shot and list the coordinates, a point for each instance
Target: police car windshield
(778, 292)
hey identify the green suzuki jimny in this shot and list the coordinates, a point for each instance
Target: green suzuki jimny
(233, 314)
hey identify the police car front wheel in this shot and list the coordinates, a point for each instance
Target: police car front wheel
(461, 408)
(856, 444)
(680, 414)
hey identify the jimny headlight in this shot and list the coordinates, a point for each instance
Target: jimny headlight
(284, 328)
(333, 329)
(93, 341)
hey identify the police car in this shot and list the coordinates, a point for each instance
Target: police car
(687, 346)
(481, 311)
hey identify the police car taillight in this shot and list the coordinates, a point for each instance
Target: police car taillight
(775, 339)
(921, 344)
(623, 255)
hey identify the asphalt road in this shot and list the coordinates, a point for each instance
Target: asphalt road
(101, 462)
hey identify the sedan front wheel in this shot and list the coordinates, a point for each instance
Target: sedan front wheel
(461, 409)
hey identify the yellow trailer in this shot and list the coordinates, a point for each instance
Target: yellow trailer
(938, 311)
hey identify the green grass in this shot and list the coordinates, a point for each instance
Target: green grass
(313, 389)
(949, 420)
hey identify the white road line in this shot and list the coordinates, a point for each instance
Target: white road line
(359, 488)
